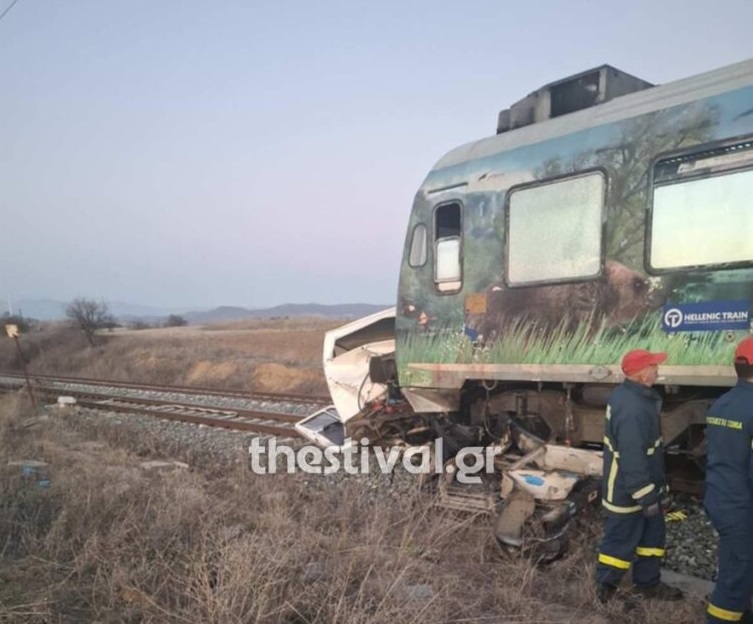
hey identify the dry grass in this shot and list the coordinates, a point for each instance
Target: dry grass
(264, 355)
(110, 542)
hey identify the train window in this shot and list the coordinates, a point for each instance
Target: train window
(417, 255)
(701, 213)
(447, 239)
(448, 263)
(554, 230)
(447, 220)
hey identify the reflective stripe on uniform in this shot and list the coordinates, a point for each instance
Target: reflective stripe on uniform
(608, 444)
(642, 551)
(643, 491)
(724, 422)
(723, 614)
(614, 562)
(612, 478)
(618, 509)
(656, 445)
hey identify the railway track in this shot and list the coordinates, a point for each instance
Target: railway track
(196, 405)
(197, 390)
(102, 396)
(209, 407)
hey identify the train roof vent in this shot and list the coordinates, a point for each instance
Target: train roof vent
(571, 94)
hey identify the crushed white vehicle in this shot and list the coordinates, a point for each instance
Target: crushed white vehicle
(535, 487)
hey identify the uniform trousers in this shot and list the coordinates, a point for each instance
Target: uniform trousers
(734, 586)
(631, 540)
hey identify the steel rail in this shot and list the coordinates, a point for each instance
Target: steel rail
(679, 480)
(190, 416)
(253, 396)
(239, 419)
(227, 411)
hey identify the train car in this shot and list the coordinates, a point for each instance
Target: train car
(604, 214)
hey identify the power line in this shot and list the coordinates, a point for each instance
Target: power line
(10, 6)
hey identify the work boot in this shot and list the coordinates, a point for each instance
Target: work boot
(660, 591)
(605, 593)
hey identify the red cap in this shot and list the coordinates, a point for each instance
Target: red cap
(636, 360)
(744, 351)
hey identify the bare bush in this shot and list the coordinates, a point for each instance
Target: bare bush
(139, 324)
(175, 320)
(89, 316)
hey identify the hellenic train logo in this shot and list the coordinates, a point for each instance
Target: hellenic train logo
(673, 318)
(706, 316)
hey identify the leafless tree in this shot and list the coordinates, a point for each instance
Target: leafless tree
(175, 320)
(89, 316)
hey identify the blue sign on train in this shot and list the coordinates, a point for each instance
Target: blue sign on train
(706, 316)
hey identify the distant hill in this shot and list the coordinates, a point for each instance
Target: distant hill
(50, 310)
(230, 313)
(40, 309)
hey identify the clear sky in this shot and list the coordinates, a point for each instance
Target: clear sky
(226, 152)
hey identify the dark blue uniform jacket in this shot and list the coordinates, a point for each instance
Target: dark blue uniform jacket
(633, 455)
(729, 434)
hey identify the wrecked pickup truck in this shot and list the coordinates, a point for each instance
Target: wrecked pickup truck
(501, 460)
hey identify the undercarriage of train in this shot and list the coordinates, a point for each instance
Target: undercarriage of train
(526, 454)
(545, 446)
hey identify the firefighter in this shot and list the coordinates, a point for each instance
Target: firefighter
(634, 488)
(729, 492)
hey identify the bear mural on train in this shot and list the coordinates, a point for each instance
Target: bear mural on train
(613, 301)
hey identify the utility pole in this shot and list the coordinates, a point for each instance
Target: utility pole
(12, 331)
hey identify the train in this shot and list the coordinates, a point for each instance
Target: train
(605, 213)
